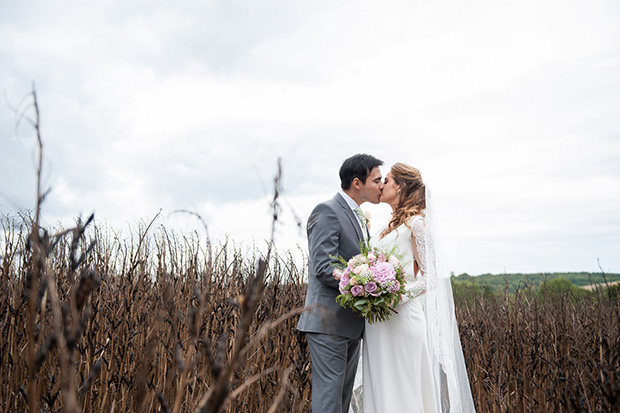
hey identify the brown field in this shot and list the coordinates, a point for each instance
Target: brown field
(156, 323)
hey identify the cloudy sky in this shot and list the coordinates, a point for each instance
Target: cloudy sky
(511, 110)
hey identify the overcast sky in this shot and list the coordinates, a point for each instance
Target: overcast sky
(511, 110)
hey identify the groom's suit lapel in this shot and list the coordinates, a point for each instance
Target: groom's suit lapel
(351, 215)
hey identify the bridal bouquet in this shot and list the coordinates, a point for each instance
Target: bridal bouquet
(371, 282)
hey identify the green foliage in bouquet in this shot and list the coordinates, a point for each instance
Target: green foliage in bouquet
(372, 282)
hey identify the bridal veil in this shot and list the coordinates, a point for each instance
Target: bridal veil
(442, 330)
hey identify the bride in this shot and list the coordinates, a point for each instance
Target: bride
(413, 362)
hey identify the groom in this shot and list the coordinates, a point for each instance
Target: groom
(335, 228)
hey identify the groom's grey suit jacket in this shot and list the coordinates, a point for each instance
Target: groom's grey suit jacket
(333, 230)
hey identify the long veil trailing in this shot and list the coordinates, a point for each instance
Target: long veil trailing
(442, 329)
(444, 344)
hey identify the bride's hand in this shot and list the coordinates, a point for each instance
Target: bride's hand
(391, 305)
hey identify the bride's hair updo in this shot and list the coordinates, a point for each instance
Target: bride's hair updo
(412, 198)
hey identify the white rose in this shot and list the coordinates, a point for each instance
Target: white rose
(394, 261)
(358, 270)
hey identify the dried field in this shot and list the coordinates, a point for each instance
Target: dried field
(543, 351)
(158, 323)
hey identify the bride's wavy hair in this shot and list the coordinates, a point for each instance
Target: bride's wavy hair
(412, 197)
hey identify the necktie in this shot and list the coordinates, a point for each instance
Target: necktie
(360, 214)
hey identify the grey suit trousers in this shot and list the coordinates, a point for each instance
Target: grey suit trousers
(333, 371)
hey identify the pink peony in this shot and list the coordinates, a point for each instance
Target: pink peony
(383, 272)
(337, 274)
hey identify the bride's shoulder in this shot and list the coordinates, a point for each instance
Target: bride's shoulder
(416, 219)
(417, 223)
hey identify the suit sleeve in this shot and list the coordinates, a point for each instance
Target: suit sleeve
(323, 244)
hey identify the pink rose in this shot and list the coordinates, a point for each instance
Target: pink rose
(343, 284)
(357, 290)
(371, 288)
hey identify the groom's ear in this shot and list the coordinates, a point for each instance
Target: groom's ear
(356, 183)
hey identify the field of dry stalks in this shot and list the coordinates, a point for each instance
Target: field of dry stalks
(147, 325)
(166, 322)
(543, 351)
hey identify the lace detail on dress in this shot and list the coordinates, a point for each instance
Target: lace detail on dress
(418, 285)
(419, 229)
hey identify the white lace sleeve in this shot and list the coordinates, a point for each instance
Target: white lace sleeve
(418, 285)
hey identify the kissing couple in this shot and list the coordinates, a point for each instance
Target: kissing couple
(412, 362)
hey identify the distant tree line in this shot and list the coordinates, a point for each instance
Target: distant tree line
(488, 285)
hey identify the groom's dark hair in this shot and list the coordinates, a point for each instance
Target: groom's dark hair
(357, 166)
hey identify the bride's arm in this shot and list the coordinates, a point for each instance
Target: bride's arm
(418, 286)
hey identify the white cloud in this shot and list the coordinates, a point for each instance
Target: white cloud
(509, 109)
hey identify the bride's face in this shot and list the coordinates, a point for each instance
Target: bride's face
(390, 191)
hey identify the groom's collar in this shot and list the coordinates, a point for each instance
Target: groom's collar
(350, 201)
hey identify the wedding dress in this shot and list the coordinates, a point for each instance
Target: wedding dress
(414, 362)
(397, 372)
